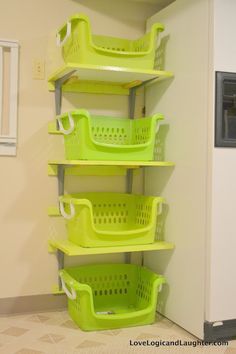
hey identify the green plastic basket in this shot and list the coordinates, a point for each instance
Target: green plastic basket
(111, 296)
(81, 47)
(110, 219)
(106, 138)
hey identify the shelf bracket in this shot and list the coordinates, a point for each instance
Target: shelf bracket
(129, 180)
(127, 257)
(61, 179)
(132, 96)
(58, 91)
(132, 99)
(129, 183)
(58, 97)
(129, 173)
(60, 260)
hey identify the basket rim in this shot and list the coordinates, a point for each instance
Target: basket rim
(84, 114)
(155, 27)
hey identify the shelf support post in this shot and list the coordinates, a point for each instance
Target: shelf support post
(61, 169)
(58, 97)
(58, 91)
(132, 98)
(129, 183)
(60, 260)
(61, 179)
(129, 173)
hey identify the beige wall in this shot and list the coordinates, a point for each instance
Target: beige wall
(26, 268)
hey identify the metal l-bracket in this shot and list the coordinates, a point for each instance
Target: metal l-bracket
(129, 183)
(61, 179)
(129, 173)
(61, 168)
(60, 260)
(129, 180)
(132, 98)
(58, 97)
(127, 257)
(58, 91)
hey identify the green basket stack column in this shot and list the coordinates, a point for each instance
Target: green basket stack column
(107, 296)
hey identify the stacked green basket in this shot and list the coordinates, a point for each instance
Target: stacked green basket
(109, 295)
(106, 138)
(80, 46)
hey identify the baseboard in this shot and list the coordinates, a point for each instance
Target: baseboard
(222, 330)
(32, 303)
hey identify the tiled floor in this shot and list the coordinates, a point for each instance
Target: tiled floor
(55, 333)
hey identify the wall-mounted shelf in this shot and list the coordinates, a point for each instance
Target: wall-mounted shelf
(99, 80)
(70, 249)
(53, 164)
(103, 79)
(63, 168)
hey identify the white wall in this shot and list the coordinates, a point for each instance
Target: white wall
(184, 104)
(222, 295)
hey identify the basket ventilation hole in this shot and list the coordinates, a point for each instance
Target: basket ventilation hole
(110, 213)
(110, 135)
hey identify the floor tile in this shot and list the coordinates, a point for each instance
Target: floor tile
(55, 333)
(230, 351)
(28, 351)
(51, 338)
(38, 318)
(15, 331)
(89, 344)
(232, 343)
(69, 324)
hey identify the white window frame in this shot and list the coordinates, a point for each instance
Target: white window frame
(8, 142)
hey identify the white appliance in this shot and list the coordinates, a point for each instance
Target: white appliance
(201, 190)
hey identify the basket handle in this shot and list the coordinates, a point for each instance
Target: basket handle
(71, 128)
(64, 214)
(162, 281)
(68, 33)
(157, 117)
(157, 28)
(159, 212)
(71, 295)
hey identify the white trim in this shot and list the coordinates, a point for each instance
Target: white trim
(8, 43)
(7, 139)
(13, 92)
(8, 142)
(7, 150)
(1, 86)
